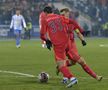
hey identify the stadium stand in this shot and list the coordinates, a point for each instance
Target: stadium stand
(93, 11)
(30, 9)
(96, 9)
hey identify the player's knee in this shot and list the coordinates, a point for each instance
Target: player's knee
(72, 63)
(61, 63)
(81, 61)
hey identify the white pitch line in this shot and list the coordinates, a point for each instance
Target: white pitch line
(17, 73)
(103, 45)
(30, 75)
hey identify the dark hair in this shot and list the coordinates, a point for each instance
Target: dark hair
(18, 9)
(48, 9)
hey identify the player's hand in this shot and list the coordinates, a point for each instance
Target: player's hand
(84, 43)
(48, 44)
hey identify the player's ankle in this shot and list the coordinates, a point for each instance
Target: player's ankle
(65, 80)
(99, 78)
(72, 82)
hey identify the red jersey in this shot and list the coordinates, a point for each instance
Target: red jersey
(55, 27)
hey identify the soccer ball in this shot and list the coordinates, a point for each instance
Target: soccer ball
(43, 77)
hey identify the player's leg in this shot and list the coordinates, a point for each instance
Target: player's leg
(72, 47)
(69, 61)
(83, 64)
(87, 69)
(75, 57)
(61, 63)
(60, 60)
(67, 75)
(18, 37)
(64, 69)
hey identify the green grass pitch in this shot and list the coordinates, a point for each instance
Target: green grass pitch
(32, 59)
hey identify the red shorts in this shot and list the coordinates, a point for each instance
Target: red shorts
(60, 52)
(72, 52)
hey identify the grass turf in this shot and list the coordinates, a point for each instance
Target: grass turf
(31, 58)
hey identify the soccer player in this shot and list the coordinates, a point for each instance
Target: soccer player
(58, 37)
(17, 23)
(72, 52)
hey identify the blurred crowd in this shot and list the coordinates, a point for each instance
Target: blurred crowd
(29, 8)
(96, 9)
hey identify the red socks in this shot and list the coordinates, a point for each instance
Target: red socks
(65, 71)
(89, 71)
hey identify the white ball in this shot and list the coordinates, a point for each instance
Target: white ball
(43, 77)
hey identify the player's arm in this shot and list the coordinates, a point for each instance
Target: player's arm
(76, 27)
(70, 21)
(43, 30)
(43, 34)
(23, 21)
(81, 37)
